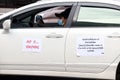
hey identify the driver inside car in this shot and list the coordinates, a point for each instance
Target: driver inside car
(63, 16)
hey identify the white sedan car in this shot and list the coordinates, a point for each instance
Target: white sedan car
(87, 46)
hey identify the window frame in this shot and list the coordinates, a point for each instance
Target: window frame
(92, 4)
(69, 21)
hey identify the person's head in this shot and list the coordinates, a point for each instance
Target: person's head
(63, 16)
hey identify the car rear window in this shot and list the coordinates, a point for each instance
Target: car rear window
(95, 16)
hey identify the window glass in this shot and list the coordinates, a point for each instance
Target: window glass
(49, 14)
(43, 17)
(93, 16)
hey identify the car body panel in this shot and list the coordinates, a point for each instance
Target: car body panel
(16, 49)
(91, 63)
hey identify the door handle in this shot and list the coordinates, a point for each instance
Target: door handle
(113, 36)
(54, 35)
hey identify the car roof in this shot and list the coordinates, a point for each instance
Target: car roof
(55, 1)
(117, 2)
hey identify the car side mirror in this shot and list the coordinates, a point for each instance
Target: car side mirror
(7, 24)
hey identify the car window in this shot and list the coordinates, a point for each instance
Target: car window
(47, 16)
(97, 16)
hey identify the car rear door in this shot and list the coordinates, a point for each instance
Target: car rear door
(94, 38)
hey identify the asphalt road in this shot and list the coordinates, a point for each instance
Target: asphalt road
(11, 77)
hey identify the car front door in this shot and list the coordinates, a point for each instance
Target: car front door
(25, 47)
(94, 38)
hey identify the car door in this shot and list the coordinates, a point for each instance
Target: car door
(94, 38)
(25, 47)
